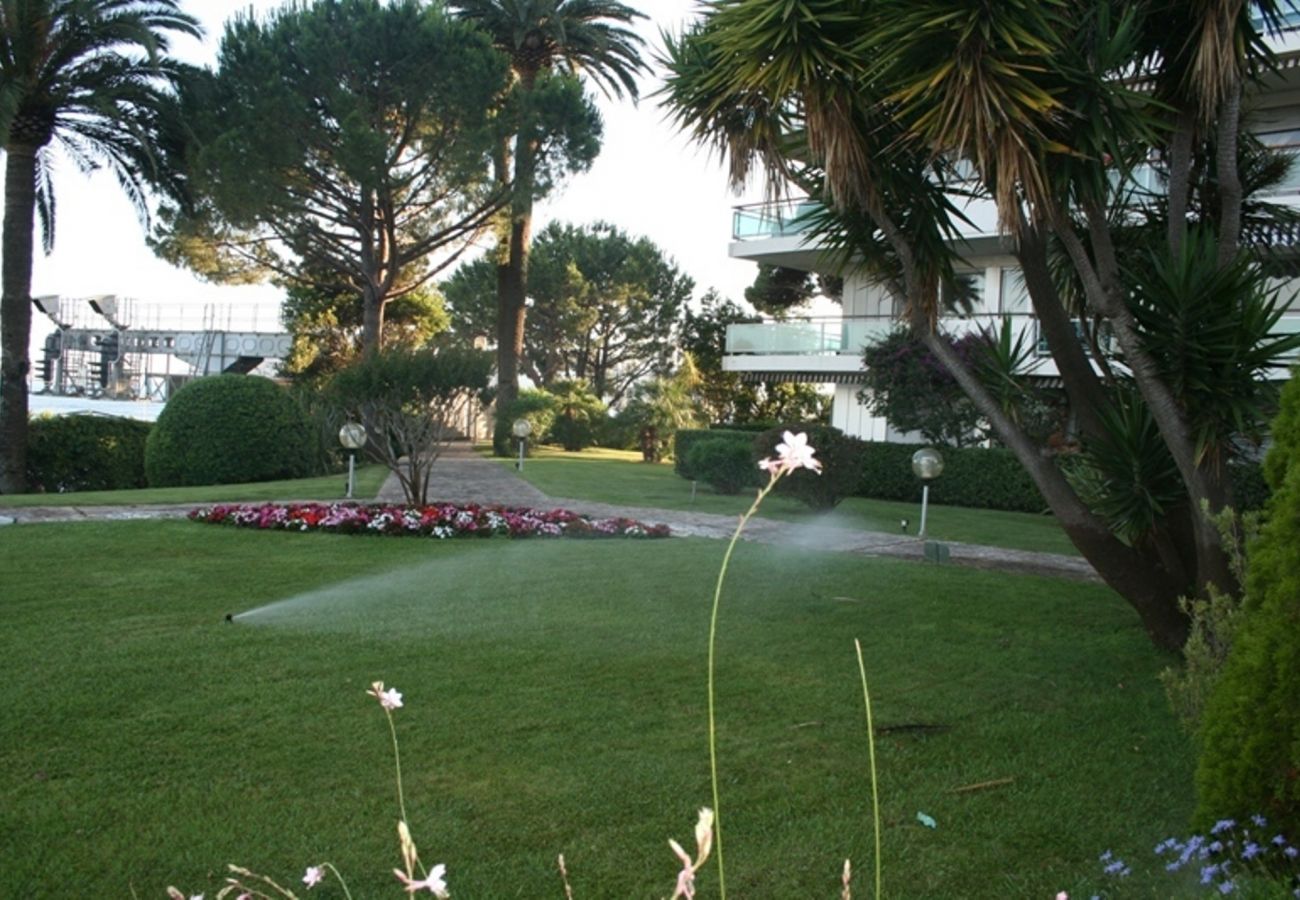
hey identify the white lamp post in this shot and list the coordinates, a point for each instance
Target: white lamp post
(353, 437)
(927, 465)
(521, 429)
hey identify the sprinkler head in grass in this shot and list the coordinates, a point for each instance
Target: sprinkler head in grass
(230, 618)
(903, 523)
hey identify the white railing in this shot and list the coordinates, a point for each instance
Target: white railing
(849, 335)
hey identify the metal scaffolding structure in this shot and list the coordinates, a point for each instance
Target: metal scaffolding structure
(109, 346)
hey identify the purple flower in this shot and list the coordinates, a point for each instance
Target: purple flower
(1208, 873)
(1227, 887)
(1259, 820)
(1221, 826)
(1251, 850)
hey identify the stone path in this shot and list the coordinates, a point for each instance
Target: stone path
(461, 475)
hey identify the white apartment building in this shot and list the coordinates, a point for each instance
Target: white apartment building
(829, 350)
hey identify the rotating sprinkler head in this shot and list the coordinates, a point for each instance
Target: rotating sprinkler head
(230, 618)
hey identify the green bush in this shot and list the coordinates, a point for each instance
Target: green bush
(1286, 433)
(86, 453)
(685, 438)
(535, 405)
(977, 477)
(1250, 736)
(841, 458)
(228, 429)
(1250, 489)
(726, 465)
(578, 415)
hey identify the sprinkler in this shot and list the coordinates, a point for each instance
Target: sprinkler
(230, 618)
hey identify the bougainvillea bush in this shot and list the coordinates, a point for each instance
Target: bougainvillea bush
(438, 520)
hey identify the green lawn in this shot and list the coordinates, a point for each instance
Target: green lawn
(613, 476)
(555, 704)
(325, 487)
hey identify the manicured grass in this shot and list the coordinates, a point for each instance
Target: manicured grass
(555, 704)
(613, 476)
(325, 487)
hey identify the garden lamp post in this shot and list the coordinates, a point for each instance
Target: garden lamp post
(927, 465)
(521, 429)
(353, 437)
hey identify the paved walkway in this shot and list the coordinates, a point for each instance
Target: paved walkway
(461, 475)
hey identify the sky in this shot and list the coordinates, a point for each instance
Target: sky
(649, 180)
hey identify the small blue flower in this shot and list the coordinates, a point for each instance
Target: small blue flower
(1208, 873)
(1227, 887)
(1175, 865)
(1290, 852)
(1278, 840)
(1251, 850)
(1223, 825)
(1259, 820)
(1214, 847)
(1115, 868)
(1105, 857)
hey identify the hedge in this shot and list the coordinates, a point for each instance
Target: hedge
(976, 477)
(841, 459)
(685, 438)
(992, 478)
(86, 453)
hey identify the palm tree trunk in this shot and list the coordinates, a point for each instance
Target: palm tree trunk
(16, 314)
(1135, 576)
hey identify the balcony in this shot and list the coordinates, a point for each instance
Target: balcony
(807, 337)
(752, 344)
(761, 221)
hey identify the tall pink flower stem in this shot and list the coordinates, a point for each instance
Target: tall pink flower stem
(793, 453)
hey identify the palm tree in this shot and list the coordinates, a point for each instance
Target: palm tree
(542, 36)
(86, 76)
(868, 105)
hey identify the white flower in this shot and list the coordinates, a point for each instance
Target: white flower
(435, 883)
(792, 453)
(314, 876)
(703, 844)
(389, 699)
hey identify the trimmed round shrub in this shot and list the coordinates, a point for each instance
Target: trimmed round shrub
(86, 453)
(726, 465)
(841, 458)
(686, 438)
(227, 429)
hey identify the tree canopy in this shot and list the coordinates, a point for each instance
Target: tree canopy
(896, 112)
(607, 307)
(339, 143)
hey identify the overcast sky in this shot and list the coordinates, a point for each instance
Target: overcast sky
(648, 180)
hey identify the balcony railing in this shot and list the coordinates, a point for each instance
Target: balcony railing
(757, 221)
(848, 336)
(807, 337)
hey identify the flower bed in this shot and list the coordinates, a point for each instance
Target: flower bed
(438, 520)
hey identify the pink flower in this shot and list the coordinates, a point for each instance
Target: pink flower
(389, 699)
(435, 883)
(793, 453)
(315, 875)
